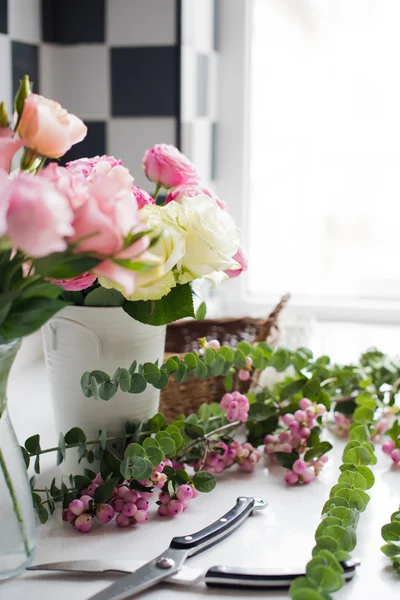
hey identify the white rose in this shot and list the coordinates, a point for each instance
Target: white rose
(170, 221)
(212, 239)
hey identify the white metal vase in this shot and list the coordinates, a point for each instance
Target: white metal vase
(80, 339)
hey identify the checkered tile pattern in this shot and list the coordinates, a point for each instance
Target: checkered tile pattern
(137, 72)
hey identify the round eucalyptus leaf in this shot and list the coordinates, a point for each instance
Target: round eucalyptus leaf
(341, 535)
(326, 578)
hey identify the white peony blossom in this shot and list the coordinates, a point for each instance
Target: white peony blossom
(170, 222)
(212, 239)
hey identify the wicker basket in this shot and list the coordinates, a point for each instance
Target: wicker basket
(183, 336)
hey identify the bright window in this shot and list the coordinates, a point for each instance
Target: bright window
(325, 149)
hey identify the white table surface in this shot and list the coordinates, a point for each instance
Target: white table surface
(282, 535)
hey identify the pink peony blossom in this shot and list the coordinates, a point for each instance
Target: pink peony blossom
(90, 168)
(240, 258)
(38, 216)
(70, 184)
(168, 167)
(47, 128)
(8, 147)
(142, 197)
(81, 282)
(189, 191)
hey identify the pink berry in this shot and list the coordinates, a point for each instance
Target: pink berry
(98, 479)
(184, 492)
(147, 495)
(304, 432)
(141, 516)
(195, 493)
(118, 505)
(83, 523)
(175, 507)
(163, 510)
(324, 458)
(129, 509)
(87, 501)
(299, 466)
(396, 455)
(122, 520)
(219, 467)
(67, 515)
(76, 507)
(249, 362)
(212, 459)
(243, 416)
(162, 480)
(300, 416)
(294, 427)
(122, 491)
(308, 475)
(167, 462)
(104, 513)
(287, 419)
(305, 403)
(388, 446)
(131, 496)
(244, 375)
(142, 504)
(291, 478)
(321, 409)
(91, 489)
(164, 498)
(214, 344)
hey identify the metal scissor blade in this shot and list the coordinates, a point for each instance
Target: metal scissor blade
(169, 563)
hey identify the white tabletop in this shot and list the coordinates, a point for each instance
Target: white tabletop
(282, 535)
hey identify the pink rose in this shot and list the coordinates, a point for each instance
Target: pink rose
(47, 128)
(38, 216)
(102, 165)
(70, 184)
(165, 165)
(108, 215)
(5, 187)
(142, 197)
(8, 147)
(241, 258)
(76, 284)
(189, 191)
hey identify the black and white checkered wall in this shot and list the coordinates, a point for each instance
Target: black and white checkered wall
(137, 72)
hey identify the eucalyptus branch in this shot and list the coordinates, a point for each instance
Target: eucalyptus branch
(207, 436)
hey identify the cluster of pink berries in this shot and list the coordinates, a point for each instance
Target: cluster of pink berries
(157, 479)
(299, 429)
(390, 448)
(130, 507)
(303, 472)
(381, 427)
(236, 406)
(175, 505)
(224, 456)
(342, 425)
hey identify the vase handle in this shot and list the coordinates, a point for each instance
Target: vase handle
(92, 334)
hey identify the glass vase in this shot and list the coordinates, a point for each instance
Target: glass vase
(17, 518)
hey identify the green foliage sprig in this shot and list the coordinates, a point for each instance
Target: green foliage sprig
(391, 535)
(336, 534)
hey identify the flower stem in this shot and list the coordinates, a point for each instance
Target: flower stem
(157, 191)
(17, 509)
(206, 436)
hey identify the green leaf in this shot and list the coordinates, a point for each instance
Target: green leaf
(193, 431)
(341, 535)
(259, 411)
(357, 456)
(105, 491)
(135, 450)
(335, 501)
(151, 372)
(292, 388)
(176, 305)
(240, 358)
(125, 380)
(42, 513)
(327, 522)
(209, 356)
(150, 442)
(347, 516)
(167, 444)
(329, 559)
(303, 583)
(286, 459)
(218, 366)
(155, 455)
(317, 451)
(363, 414)
(201, 311)
(326, 542)
(390, 550)
(163, 380)
(136, 467)
(359, 433)
(200, 372)
(81, 482)
(107, 390)
(204, 481)
(370, 449)
(354, 479)
(182, 373)
(36, 466)
(86, 384)
(27, 316)
(138, 384)
(104, 297)
(391, 532)
(61, 452)
(89, 473)
(25, 456)
(280, 359)
(75, 436)
(61, 265)
(172, 365)
(353, 497)
(226, 353)
(157, 422)
(100, 376)
(326, 578)
(41, 289)
(191, 360)
(32, 444)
